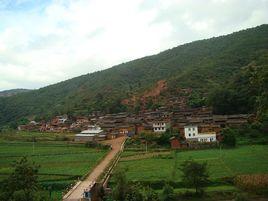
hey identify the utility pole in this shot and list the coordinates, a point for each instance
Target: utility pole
(33, 147)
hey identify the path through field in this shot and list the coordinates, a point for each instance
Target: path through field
(76, 193)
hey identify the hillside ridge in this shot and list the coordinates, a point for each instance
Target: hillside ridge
(202, 66)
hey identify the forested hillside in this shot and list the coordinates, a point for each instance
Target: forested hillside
(12, 92)
(228, 72)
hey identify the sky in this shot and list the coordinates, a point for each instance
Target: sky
(43, 42)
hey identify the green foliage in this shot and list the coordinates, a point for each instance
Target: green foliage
(32, 196)
(22, 184)
(245, 93)
(160, 139)
(204, 66)
(94, 144)
(148, 194)
(124, 191)
(24, 176)
(229, 137)
(121, 188)
(196, 100)
(195, 175)
(149, 137)
(167, 193)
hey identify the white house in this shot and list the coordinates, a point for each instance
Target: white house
(159, 126)
(191, 133)
(91, 134)
(62, 119)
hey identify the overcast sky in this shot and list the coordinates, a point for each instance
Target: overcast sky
(44, 42)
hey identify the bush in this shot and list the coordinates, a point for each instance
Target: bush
(229, 137)
(167, 193)
(97, 145)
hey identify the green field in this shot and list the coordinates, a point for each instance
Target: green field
(61, 163)
(222, 164)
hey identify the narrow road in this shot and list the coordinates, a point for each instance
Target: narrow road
(76, 193)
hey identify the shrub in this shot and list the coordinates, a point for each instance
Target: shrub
(229, 139)
(94, 144)
(167, 193)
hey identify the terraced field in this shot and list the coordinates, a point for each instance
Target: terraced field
(60, 163)
(158, 167)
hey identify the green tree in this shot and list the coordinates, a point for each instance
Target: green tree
(195, 175)
(196, 100)
(22, 184)
(121, 188)
(229, 139)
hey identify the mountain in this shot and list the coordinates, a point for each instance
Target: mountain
(12, 92)
(213, 69)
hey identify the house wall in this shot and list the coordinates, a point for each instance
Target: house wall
(83, 139)
(159, 127)
(190, 132)
(207, 138)
(175, 144)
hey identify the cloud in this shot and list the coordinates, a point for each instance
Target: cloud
(44, 42)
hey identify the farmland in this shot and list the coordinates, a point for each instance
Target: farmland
(61, 163)
(156, 167)
(221, 163)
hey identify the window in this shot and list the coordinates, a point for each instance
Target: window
(193, 129)
(193, 134)
(189, 134)
(189, 129)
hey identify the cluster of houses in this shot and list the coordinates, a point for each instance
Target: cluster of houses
(197, 124)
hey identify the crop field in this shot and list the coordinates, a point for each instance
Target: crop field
(61, 163)
(165, 166)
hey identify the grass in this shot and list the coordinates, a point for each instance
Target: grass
(38, 136)
(61, 162)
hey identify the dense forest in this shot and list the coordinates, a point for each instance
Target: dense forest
(229, 73)
(12, 92)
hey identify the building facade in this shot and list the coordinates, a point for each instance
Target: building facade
(159, 127)
(191, 133)
(93, 133)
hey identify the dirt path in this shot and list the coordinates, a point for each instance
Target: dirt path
(76, 193)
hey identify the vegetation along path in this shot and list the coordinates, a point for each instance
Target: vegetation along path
(76, 193)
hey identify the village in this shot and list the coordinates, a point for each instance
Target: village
(194, 125)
